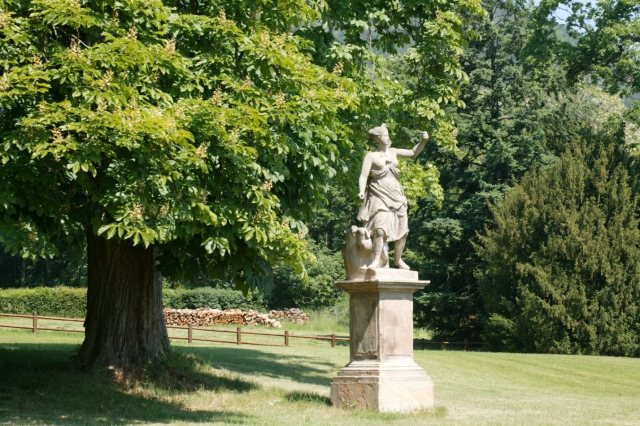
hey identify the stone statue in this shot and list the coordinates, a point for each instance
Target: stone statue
(384, 208)
(381, 374)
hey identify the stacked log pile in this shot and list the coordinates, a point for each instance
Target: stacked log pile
(205, 316)
(294, 315)
(256, 318)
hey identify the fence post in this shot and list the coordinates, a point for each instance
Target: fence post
(190, 333)
(423, 343)
(333, 340)
(239, 336)
(35, 323)
(286, 337)
(466, 345)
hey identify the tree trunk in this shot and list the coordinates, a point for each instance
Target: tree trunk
(23, 272)
(124, 327)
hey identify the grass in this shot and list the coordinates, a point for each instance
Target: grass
(326, 321)
(226, 384)
(336, 320)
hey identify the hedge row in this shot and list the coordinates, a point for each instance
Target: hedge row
(57, 301)
(205, 297)
(72, 302)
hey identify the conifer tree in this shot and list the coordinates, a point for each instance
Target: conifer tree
(563, 259)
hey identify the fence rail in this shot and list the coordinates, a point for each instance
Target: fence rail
(239, 332)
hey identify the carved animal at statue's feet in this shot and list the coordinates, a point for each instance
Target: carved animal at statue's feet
(357, 251)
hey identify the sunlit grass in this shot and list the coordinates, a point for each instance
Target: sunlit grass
(228, 384)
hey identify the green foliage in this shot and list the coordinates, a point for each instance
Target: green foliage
(72, 302)
(520, 110)
(292, 291)
(59, 301)
(563, 259)
(207, 297)
(420, 182)
(405, 60)
(511, 119)
(331, 219)
(431, 36)
(602, 44)
(68, 269)
(211, 135)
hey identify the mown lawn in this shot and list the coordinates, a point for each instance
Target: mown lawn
(228, 384)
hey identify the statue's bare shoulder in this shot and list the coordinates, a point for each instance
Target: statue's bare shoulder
(369, 159)
(369, 156)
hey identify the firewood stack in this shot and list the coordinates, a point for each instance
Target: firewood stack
(255, 318)
(294, 315)
(205, 316)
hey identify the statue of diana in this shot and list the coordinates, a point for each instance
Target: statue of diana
(384, 210)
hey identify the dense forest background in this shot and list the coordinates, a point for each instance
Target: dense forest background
(528, 227)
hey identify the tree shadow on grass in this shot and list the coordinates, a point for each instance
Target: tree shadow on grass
(307, 397)
(303, 369)
(39, 385)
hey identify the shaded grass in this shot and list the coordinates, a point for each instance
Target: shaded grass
(307, 397)
(226, 384)
(186, 373)
(39, 385)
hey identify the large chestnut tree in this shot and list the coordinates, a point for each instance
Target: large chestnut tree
(181, 137)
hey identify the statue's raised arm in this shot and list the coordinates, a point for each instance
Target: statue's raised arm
(384, 209)
(412, 153)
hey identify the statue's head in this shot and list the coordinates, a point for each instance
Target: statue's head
(380, 134)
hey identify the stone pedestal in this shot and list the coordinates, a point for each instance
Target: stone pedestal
(382, 374)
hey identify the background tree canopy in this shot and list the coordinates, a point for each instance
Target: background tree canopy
(159, 126)
(502, 131)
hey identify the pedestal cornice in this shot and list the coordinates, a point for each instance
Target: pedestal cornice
(380, 285)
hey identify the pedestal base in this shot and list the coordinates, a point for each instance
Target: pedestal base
(382, 375)
(388, 387)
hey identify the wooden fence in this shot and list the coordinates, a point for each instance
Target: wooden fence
(239, 332)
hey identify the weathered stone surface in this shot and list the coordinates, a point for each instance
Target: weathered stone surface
(377, 285)
(357, 251)
(383, 213)
(380, 386)
(388, 274)
(363, 311)
(382, 374)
